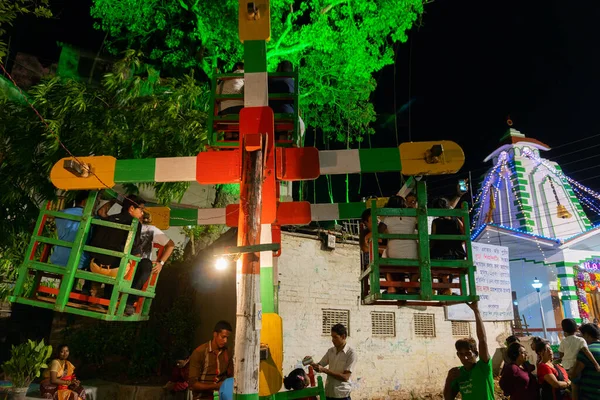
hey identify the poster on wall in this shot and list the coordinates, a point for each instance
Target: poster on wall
(492, 278)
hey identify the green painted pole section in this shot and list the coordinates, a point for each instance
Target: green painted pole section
(267, 294)
(425, 256)
(75, 255)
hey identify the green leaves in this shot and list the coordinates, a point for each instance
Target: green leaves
(134, 114)
(26, 362)
(338, 45)
(11, 9)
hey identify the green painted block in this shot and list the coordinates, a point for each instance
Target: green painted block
(519, 169)
(523, 215)
(525, 222)
(380, 160)
(525, 195)
(527, 208)
(568, 288)
(255, 56)
(183, 217)
(569, 297)
(520, 175)
(135, 171)
(351, 210)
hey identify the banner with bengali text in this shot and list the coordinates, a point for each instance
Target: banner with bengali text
(492, 277)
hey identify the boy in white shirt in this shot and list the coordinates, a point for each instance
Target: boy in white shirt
(572, 344)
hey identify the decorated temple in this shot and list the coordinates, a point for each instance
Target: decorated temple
(528, 204)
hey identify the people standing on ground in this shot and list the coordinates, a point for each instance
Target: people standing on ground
(571, 346)
(211, 363)
(60, 382)
(401, 248)
(534, 342)
(474, 380)
(589, 383)
(517, 381)
(411, 200)
(552, 378)
(341, 359)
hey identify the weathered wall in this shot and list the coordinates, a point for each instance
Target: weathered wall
(312, 279)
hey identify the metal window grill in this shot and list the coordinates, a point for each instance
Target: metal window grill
(461, 329)
(424, 325)
(383, 323)
(333, 317)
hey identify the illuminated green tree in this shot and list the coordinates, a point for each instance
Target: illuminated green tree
(337, 44)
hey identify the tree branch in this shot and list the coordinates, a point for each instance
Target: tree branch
(297, 48)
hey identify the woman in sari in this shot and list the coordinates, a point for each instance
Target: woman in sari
(60, 382)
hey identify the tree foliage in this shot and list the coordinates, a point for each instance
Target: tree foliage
(133, 114)
(337, 44)
(11, 9)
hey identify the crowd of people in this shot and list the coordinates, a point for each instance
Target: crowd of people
(574, 375)
(114, 239)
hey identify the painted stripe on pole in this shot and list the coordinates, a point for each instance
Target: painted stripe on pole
(266, 257)
(183, 216)
(324, 212)
(380, 160)
(175, 169)
(211, 216)
(351, 210)
(255, 56)
(256, 93)
(134, 171)
(339, 162)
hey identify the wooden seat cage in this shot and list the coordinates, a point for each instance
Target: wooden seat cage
(37, 291)
(375, 284)
(286, 125)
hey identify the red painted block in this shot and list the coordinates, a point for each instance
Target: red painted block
(288, 213)
(298, 164)
(218, 167)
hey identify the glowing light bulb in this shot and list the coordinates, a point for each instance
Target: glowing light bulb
(221, 264)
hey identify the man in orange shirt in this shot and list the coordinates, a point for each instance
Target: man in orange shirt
(211, 363)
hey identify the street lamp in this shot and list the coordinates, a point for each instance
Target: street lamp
(221, 263)
(537, 285)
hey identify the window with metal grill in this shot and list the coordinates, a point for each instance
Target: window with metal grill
(332, 317)
(383, 323)
(424, 325)
(461, 329)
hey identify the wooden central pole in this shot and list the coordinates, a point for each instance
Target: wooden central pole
(249, 313)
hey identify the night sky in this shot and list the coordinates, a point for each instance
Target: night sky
(470, 63)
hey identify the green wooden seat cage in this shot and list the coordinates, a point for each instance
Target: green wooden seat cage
(423, 291)
(63, 299)
(219, 125)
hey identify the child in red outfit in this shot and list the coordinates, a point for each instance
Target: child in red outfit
(179, 375)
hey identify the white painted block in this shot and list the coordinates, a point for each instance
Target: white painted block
(211, 216)
(175, 169)
(335, 162)
(324, 212)
(256, 90)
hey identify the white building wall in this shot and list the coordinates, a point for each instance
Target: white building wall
(522, 275)
(312, 279)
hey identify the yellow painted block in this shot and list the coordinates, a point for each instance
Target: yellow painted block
(381, 202)
(160, 216)
(254, 25)
(271, 369)
(102, 177)
(416, 158)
